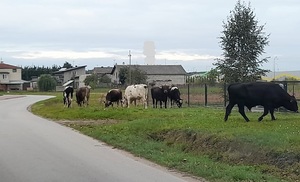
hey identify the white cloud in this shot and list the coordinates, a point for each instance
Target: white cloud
(182, 56)
(183, 31)
(64, 55)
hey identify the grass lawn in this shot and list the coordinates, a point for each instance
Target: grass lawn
(193, 140)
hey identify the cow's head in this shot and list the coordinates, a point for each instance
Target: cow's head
(179, 103)
(107, 103)
(292, 104)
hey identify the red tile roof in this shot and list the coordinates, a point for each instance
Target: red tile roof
(7, 66)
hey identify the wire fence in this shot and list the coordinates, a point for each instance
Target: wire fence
(214, 95)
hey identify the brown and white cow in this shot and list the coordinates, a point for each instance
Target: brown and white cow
(83, 95)
(113, 95)
(134, 93)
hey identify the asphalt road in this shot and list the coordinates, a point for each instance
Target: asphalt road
(33, 149)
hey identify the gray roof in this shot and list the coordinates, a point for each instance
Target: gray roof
(69, 69)
(158, 69)
(103, 70)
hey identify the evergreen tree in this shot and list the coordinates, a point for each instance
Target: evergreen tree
(30, 72)
(243, 43)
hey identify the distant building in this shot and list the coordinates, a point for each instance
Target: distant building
(103, 71)
(156, 74)
(11, 78)
(68, 76)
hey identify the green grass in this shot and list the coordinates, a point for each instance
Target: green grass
(192, 140)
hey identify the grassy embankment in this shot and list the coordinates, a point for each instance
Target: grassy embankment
(192, 140)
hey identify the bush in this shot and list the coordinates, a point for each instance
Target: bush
(46, 83)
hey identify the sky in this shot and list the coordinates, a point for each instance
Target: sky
(102, 32)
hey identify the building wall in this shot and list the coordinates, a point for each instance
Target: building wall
(14, 74)
(68, 75)
(170, 79)
(175, 79)
(81, 80)
(4, 77)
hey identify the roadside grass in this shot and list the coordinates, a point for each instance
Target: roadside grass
(192, 140)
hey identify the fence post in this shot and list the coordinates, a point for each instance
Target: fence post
(205, 94)
(285, 85)
(188, 95)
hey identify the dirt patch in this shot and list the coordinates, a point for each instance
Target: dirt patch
(88, 122)
(282, 164)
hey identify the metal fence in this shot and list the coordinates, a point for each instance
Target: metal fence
(194, 95)
(216, 94)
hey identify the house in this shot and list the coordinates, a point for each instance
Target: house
(69, 76)
(11, 78)
(156, 74)
(103, 71)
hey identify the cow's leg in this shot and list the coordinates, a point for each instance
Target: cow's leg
(128, 102)
(266, 111)
(272, 114)
(242, 111)
(228, 110)
(153, 103)
(145, 104)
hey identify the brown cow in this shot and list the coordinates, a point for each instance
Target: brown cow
(83, 95)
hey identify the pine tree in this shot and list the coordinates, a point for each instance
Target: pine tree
(243, 43)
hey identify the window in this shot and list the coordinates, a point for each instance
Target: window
(14, 70)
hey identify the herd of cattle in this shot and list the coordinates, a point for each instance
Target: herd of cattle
(269, 95)
(133, 93)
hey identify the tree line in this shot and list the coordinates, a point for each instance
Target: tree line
(29, 72)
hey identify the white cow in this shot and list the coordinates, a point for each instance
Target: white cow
(136, 92)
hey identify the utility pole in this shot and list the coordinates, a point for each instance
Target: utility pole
(129, 55)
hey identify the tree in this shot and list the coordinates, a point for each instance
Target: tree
(243, 43)
(94, 80)
(46, 83)
(67, 65)
(30, 72)
(137, 75)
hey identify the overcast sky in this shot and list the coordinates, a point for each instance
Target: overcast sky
(101, 32)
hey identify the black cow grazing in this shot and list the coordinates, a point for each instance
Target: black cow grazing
(113, 95)
(174, 95)
(160, 94)
(68, 96)
(269, 95)
(83, 95)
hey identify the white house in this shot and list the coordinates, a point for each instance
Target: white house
(11, 77)
(157, 74)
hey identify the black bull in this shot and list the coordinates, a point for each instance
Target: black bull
(269, 95)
